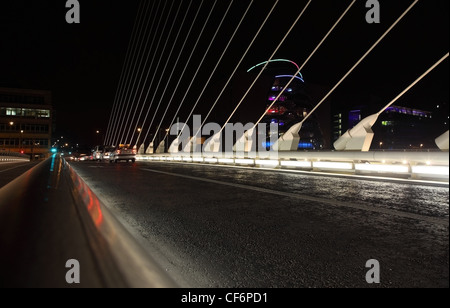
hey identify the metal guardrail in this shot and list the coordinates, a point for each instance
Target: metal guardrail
(6, 157)
(49, 216)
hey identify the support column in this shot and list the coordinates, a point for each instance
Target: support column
(358, 138)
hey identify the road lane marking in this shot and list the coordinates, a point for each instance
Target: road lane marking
(315, 173)
(14, 168)
(335, 203)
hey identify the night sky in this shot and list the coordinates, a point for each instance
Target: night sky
(82, 63)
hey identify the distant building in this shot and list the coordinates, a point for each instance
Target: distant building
(404, 128)
(398, 128)
(26, 121)
(291, 108)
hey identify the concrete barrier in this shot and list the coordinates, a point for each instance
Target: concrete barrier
(49, 216)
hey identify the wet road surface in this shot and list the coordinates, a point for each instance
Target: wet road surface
(227, 227)
(10, 171)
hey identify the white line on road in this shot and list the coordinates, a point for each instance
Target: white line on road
(434, 220)
(315, 173)
(13, 168)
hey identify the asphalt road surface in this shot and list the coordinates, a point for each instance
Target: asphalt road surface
(229, 227)
(10, 171)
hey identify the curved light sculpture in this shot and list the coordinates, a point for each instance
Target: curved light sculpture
(290, 76)
(276, 60)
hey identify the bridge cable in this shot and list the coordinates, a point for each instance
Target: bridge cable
(204, 57)
(129, 77)
(349, 72)
(128, 110)
(156, 70)
(173, 70)
(217, 65)
(239, 64)
(133, 32)
(149, 70)
(124, 68)
(265, 66)
(414, 83)
(182, 74)
(132, 68)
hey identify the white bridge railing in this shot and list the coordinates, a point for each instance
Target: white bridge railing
(8, 157)
(413, 165)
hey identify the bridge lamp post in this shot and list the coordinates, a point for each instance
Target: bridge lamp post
(166, 144)
(98, 136)
(139, 130)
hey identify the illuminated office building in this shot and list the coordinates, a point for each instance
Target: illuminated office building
(398, 128)
(291, 108)
(26, 121)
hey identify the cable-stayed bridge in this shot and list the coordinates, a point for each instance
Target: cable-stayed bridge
(214, 201)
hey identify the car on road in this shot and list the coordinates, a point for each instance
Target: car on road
(97, 152)
(123, 152)
(107, 153)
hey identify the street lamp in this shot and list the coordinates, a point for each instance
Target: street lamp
(139, 130)
(21, 142)
(166, 144)
(11, 137)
